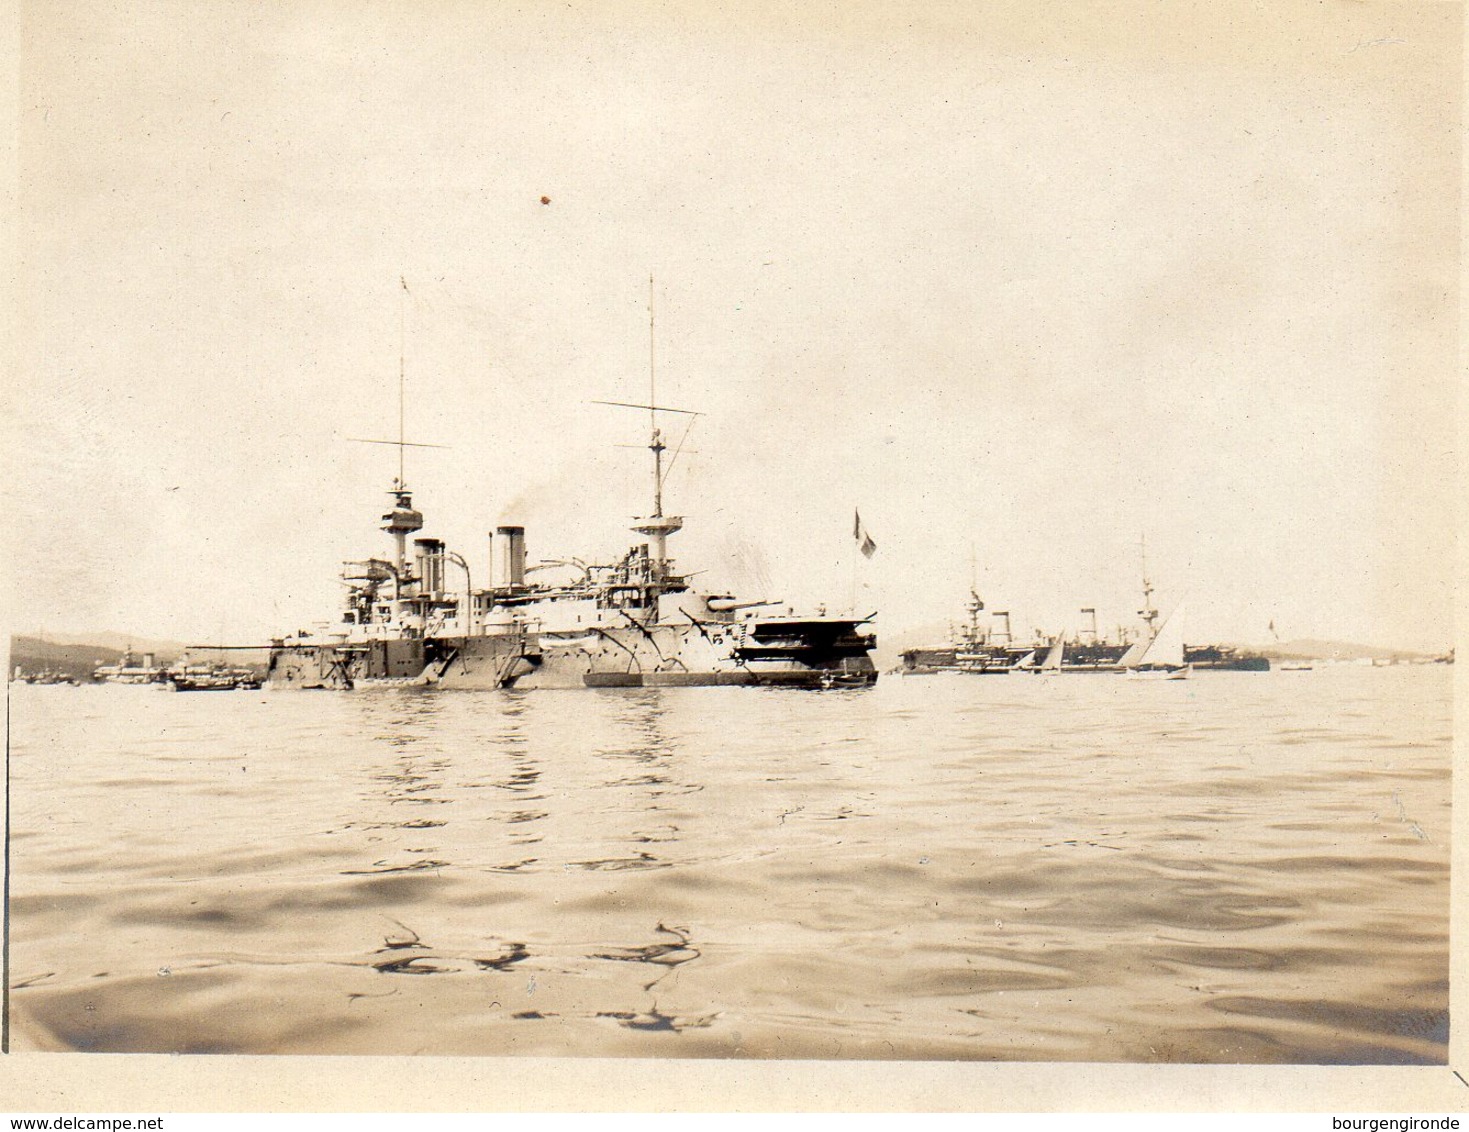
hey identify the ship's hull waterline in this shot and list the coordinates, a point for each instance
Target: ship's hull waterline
(619, 658)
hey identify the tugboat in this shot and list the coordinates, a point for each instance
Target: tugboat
(636, 622)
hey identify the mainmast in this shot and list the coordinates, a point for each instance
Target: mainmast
(657, 526)
(656, 441)
(1148, 612)
(402, 377)
(975, 605)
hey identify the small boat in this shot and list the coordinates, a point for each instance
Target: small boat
(837, 679)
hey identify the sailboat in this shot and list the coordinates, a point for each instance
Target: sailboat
(1025, 663)
(1162, 656)
(1052, 663)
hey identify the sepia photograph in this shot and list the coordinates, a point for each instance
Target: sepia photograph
(868, 536)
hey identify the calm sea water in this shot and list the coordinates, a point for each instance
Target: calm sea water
(1237, 868)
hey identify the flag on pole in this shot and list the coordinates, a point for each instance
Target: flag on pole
(864, 540)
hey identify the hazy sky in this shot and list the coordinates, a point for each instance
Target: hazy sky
(1021, 280)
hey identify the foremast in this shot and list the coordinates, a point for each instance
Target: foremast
(1149, 612)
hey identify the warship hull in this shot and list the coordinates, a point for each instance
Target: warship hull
(656, 657)
(957, 660)
(1102, 657)
(1222, 658)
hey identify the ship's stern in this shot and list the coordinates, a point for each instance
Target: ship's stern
(809, 652)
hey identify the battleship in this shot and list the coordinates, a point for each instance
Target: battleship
(636, 622)
(1089, 651)
(130, 670)
(981, 650)
(978, 649)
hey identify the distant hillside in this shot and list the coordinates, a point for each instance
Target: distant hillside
(78, 658)
(1311, 649)
(33, 655)
(109, 640)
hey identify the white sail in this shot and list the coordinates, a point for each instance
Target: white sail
(1166, 649)
(1052, 663)
(1134, 655)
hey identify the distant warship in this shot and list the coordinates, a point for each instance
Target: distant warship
(130, 670)
(212, 677)
(980, 650)
(635, 622)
